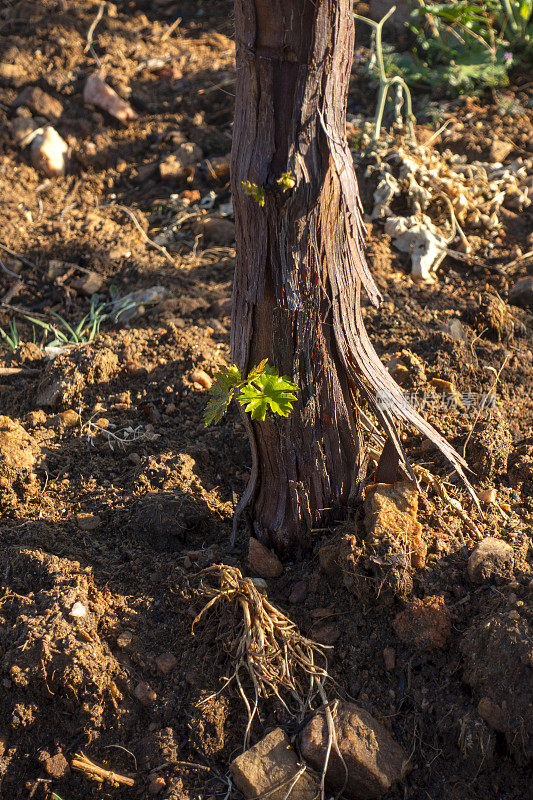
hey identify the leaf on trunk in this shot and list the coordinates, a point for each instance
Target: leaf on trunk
(269, 390)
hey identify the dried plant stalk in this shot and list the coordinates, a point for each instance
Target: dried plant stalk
(97, 773)
(278, 660)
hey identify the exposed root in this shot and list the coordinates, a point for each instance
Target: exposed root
(279, 661)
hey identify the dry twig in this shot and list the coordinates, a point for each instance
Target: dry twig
(90, 33)
(97, 773)
(145, 236)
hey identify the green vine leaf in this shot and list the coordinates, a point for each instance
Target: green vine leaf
(226, 382)
(262, 389)
(269, 390)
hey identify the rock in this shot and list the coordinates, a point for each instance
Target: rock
(88, 522)
(271, 763)
(498, 666)
(374, 761)
(499, 150)
(201, 378)
(219, 231)
(99, 94)
(78, 610)
(486, 495)
(298, 592)
(145, 694)
(134, 304)
(13, 74)
(424, 624)
(391, 511)
(455, 329)
(49, 152)
(64, 420)
(521, 293)
(493, 715)
(22, 130)
(177, 164)
(389, 657)
(56, 766)
(41, 103)
(90, 283)
(326, 634)
(166, 662)
(156, 785)
(124, 639)
(491, 559)
(262, 561)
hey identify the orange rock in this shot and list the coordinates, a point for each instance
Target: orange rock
(391, 509)
(262, 561)
(201, 378)
(97, 92)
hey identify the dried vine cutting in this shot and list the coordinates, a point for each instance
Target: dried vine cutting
(277, 658)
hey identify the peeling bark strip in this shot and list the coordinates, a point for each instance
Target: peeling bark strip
(300, 266)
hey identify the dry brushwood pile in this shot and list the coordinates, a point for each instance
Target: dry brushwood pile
(141, 651)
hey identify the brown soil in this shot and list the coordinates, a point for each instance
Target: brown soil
(118, 529)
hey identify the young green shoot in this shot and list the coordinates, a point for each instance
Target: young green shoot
(83, 333)
(263, 389)
(255, 191)
(286, 182)
(12, 338)
(385, 83)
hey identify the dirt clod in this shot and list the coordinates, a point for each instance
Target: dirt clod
(391, 513)
(491, 559)
(498, 666)
(424, 624)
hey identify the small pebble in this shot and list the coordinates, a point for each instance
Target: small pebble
(486, 495)
(201, 378)
(124, 639)
(166, 662)
(88, 522)
(298, 593)
(78, 610)
(156, 785)
(145, 694)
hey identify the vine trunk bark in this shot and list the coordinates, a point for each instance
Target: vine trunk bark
(300, 266)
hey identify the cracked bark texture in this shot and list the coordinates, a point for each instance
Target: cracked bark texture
(300, 268)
